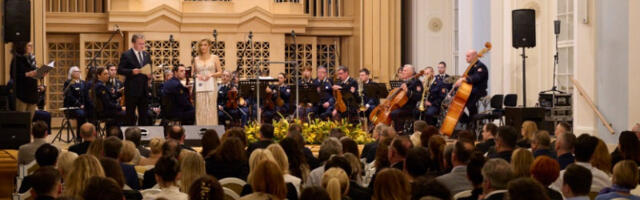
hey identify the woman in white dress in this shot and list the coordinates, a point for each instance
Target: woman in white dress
(207, 70)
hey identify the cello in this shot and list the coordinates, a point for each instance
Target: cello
(340, 105)
(396, 99)
(459, 101)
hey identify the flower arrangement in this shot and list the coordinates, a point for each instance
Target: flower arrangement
(313, 132)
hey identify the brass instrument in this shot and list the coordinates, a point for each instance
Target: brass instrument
(425, 94)
(361, 94)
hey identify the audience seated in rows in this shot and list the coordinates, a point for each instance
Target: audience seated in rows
(541, 145)
(584, 149)
(489, 131)
(88, 135)
(266, 138)
(46, 156)
(546, 170)
(564, 145)
(625, 178)
(167, 169)
(521, 160)
(26, 152)
(134, 134)
(456, 181)
(496, 174)
(505, 143)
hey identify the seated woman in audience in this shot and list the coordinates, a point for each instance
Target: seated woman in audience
(521, 160)
(267, 182)
(170, 148)
(228, 160)
(625, 179)
(155, 144)
(298, 166)
(282, 160)
(349, 146)
(382, 160)
(84, 167)
(295, 132)
(391, 184)
(206, 188)
(191, 168)
(65, 162)
(529, 128)
(129, 154)
(426, 135)
(628, 148)
(314, 193)
(429, 187)
(526, 188)
(236, 132)
(436, 155)
(336, 182)
(112, 170)
(356, 168)
(546, 170)
(210, 141)
(601, 158)
(101, 188)
(167, 169)
(96, 148)
(257, 156)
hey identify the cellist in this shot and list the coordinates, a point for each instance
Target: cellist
(347, 85)
(478, 76)
(413, 88)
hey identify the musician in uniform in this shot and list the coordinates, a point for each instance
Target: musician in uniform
(442, 77)
(75, 96)
(106, 103)
(280, 91)
(478, 76)
(305, 82)
(369, 102)
(432, 103)
(225, 113)
(413, 88)
(116, 87)
(324, 108)
(181, 107)
(136, 83)
(348, 87)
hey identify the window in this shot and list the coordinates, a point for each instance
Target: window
(565, 45)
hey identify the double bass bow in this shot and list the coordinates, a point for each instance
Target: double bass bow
(460, 99)
(396, 99)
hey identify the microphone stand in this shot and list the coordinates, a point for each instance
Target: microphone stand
(297, 71)
(258, 71)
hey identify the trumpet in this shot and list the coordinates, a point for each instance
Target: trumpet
(425, 95)
(361, 93)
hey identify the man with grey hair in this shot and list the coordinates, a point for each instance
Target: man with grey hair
(413, 87)
(330, 146)
(134, 134)
(496, 173)
(541, 145)
(136, 84)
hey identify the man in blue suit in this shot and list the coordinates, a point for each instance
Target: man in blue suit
(178, 94)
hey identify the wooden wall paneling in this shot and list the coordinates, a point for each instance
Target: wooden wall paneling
(64, 50)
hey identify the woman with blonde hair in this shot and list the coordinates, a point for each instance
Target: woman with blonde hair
(391, 184)
(96, 148)
(129, 154)
(529, 129)
(267, 182)
(336, 182)
(207, 69)
(601, 158)
(281, 158)
(521, 161)
(625, 178)
(191, 168)
(155, 144)
(65, 162)
(84, 167)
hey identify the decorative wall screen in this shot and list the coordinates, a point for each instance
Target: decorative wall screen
(250, 56)
(301, 53)
(65, 55)
(216, 49)
(110, 54)
(327, 56)
(163, 52)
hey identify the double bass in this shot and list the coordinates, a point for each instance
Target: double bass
(460, 99)
(396, 99)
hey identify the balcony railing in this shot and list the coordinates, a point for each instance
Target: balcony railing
(77, 6)
(323, 8)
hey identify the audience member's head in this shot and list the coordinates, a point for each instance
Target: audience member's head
(496, 173)
(339, 162)
(96, 148)
(266, 131)
(206, 188)
(167, 169)
(210, 141)
(101, 188)
(133, 134)
(116, 132)
(506, 138)
(521, 160)
(268, 178)
(436, 150)
(84, 167)
(176, 133)
(46, 155)
(336, 133)
(113, 170)
(545, 170)
(155, 145)
(256, 157)
(382, 153)
(314, 193)
(280, 157)
(525, 188)
(425, 187)
(467, 136)
(391, 183)
(349, 146)
(65, 162)
(336, 182)
(128, 153)
(295, 132)
(39, 129)
(417, 162)
(576, 180)
(420, 126)
(601, 158)
(474, 169)
(297, 162)
(460, 155)
(541, 140)
(397, 150)
(191, 168)
(562, 128)
(231, 150)
(377, 131)
(170, 148)
(112, 147)
(489, 131)
(356, 166)
(629, 146)
(565, 143)
(236, 132)
(625, 174)
(46, 181)
(388, 132)
(426, 135)
(529, 128)
(88, 131)
(330, 146)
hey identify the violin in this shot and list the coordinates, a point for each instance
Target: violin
(279, 100)
(232, 98)
(268, 102)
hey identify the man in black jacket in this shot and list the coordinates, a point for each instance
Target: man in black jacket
(413, 88)
(477, 76)
(348, 87)
(136, 85)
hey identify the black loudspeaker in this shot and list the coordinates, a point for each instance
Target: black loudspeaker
(15, 129)
(17, 20)
(556, 27)
(515, 116)
(523, 28)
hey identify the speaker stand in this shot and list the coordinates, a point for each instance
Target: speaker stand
(524, 78)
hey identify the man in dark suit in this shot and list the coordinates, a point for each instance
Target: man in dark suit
(505, 143)
(370, 102)
(348, 88)
(266, 138)
(88, 134)
(496, 173)
(477, 76)
(413, 88)
(178, 94)
(136, 85)
(488, 133)
(323, 84)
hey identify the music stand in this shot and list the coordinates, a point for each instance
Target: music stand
(377, 90)
(395, 84)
